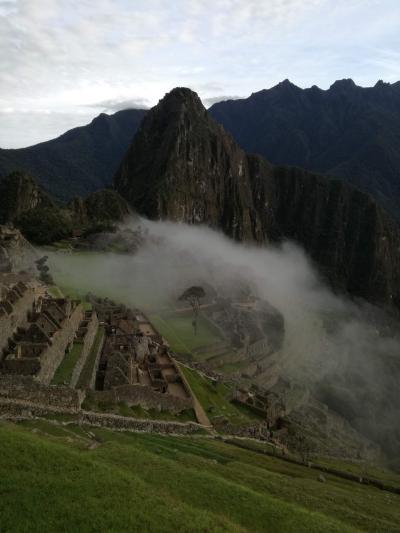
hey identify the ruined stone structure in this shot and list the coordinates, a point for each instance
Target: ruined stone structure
(267, 405)
(39, 347)
(27, 389)
(16, 301)
(135, 365)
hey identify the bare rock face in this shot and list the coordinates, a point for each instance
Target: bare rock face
(183, 166)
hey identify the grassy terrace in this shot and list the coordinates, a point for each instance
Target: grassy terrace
(87, 370)
(64, 372)
(63, 479)
(215, 399)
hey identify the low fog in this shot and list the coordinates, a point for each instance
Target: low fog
(347, 352)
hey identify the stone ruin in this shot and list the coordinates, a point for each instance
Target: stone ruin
(268, 405)
(36, 333)
(135, 363)
(253, 327)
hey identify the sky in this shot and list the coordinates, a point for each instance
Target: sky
(62, 62)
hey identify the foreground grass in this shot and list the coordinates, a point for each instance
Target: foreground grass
(57, 480)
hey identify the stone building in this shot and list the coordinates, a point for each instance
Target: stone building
(268, 405)
(16, 303)
(38, 348)
(135, 365)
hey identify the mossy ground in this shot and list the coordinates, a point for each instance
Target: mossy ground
(67, 479)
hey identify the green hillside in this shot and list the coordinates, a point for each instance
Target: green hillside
(54, 478)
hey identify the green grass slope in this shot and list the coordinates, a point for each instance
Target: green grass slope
(65, 479)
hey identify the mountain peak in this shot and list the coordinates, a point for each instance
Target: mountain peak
(287, 85)
(344, 84)
(179, 96)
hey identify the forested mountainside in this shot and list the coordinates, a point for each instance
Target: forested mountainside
(347, 131)
(80, 161)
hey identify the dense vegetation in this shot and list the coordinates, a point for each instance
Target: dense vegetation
(67, 479)
(43, 221)
(44, 225)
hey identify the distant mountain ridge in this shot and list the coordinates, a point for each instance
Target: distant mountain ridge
(80, 161)
(184, 166)
(346, 131)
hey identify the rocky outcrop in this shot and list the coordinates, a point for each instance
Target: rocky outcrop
(20, 193)
(16, 253)
(183, 166)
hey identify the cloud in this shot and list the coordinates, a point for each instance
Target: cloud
(208, 102)
(65, 54)
(118, 105)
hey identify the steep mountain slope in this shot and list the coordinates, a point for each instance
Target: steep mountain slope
(346, 131)
(183, 166)
(81, 160)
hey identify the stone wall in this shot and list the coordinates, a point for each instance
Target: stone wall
(16, 410)
(124, 423)
(144, 396)
(18, 317)
(54, 354)
(26, 389)
(91, 330)
(259, 431)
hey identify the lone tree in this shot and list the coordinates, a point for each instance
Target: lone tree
(193, 295)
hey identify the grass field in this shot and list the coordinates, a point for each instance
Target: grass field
(61, 479)
(177, 329)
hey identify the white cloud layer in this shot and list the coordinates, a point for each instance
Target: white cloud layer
(63, 55)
